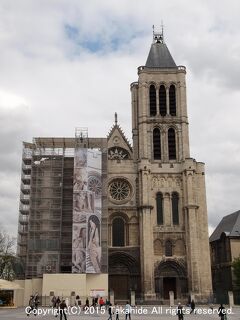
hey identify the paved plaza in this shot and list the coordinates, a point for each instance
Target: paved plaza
(141, 313)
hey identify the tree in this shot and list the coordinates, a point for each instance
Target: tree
(236, 271)
(7, 256)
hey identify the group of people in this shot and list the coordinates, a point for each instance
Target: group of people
(61, 306)
(115, 310)
(33, 304)
(180, 311)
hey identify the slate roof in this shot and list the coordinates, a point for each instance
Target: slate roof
(160, 57)
(229, 224)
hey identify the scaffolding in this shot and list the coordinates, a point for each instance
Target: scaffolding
(46, 203)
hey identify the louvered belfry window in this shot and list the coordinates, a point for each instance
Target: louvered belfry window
(162, 101)
(171, 144)
(172, 100)
(152, 100)
(156, 144)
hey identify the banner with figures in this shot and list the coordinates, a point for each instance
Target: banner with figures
(87, 210)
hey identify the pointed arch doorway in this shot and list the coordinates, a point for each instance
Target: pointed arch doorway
(170, 275)
(124, 275)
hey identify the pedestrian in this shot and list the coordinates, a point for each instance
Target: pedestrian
(180, 311)
(31, 306)
(54, 301)
(36, 302)
(62, 308)
(58, 302)
(222, 312)
(86, 306)
(117, 311)
(101, 302)
(192, 304)
(110, 311)
(77, 301)
(128, 311)
(67, 302)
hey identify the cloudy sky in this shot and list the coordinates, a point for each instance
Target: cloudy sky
(69, 63)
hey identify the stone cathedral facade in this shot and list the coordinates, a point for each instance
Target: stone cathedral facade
(150, 232)
(158, 225)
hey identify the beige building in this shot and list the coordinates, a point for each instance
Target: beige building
(158, 226)
(156, 215)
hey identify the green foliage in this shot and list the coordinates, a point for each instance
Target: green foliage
(236, 270)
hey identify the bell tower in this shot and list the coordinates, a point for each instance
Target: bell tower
(171, 185)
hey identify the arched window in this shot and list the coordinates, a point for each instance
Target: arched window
(152, 100)
(172, 100)
(171, 144)
(156, 144)
(175, 208)
(159, 203)
(162, 101)
(118, 234)
(168, 248)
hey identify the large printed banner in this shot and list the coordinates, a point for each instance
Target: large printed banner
(87, 210)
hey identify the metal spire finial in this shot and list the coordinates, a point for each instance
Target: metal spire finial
(116, 118)
(158, 36)
(162, 26)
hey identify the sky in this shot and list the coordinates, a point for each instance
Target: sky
(69, 63)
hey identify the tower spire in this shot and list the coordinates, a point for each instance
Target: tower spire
(116, 118)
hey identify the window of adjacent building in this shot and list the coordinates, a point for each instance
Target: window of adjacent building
(152, 100)
(172, 100)
(156, 144)
(168, 248)
(171, 144)
(175, 208)
(118, 239)
(159, 203)
(162, 101)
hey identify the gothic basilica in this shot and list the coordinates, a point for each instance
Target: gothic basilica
(158, 225)
(125, 217)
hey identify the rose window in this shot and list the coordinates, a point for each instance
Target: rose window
(95, 185)
(119, 189)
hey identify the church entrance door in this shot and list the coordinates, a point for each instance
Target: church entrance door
(169, 284)
(120, 285)
(124, 275)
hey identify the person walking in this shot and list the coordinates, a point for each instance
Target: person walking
(222, 312)
(54, 302)
(192, 304)
(101, 302)
(117, 311)
(128, 311)
(58, 302)
(180, 311)
(77, 301)
(62, 308)
(36, 302)
(31, 306)
(110, 311)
